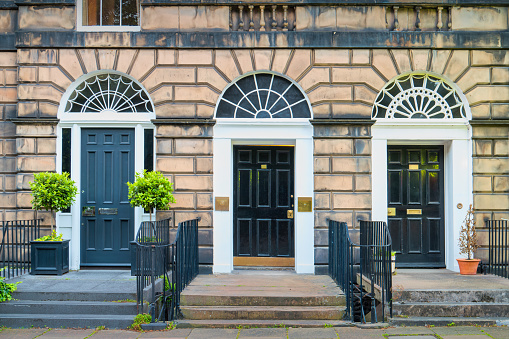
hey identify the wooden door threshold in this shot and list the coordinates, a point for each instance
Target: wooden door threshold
(264, 261)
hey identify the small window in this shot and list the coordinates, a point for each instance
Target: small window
(111, 12)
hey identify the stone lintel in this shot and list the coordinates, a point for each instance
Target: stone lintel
(7, 4)
(501, 122)
(45, 2)
(31, 121)
(183, 121)
(342, 122)
(295, 39)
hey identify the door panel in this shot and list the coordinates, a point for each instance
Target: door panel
(107, 164)
(415, 189)
(263, 194)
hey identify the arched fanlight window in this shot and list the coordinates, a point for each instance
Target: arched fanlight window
(418, 96)
(109, 93)
(263, 95)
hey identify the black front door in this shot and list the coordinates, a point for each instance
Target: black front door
(107, 221)
(416, 205)
(263, 202)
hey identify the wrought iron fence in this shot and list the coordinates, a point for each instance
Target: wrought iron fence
(164, 267)
(363, 271)
(498, 251)
(15, 246)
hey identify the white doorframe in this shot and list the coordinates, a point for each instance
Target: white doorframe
(229, 132)
(456, 138)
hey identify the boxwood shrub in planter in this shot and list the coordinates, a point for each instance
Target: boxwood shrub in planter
(52, 192)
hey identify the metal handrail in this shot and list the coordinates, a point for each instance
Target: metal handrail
(360, 267)
(157, 258)
(15, 246)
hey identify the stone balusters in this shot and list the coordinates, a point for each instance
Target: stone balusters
(418, 18)
(262, 18)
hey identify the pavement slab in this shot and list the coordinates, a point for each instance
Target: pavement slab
(218, 333)
(496, 332)
(22, 333)
(115, 334)
(315, 333)
(359, 333)
(276, 333)
(408, 330)
(58, 333)
(179, 333)
(457, 330)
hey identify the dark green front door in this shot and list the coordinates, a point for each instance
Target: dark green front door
(416, 205)
(262, 199)
(107, 221)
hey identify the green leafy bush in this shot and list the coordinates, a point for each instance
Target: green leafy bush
(6, 289)
(52, 237)
(139, 319)
(151, 190)
(53, 192)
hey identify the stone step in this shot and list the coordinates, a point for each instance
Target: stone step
(438, 309)
(187, 299)
(66, 320)
(74, 296)
(448, 321)
(274, 313)
(67, 307)
(485, 295)
(235, 323)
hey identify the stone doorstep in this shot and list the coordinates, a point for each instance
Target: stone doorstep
(223, 323)
(187, 299)
(446, 321)
(452, 309)
(263, 312)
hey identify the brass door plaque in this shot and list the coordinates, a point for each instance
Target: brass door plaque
(305, 204)
(88, 211)
(222, 203)
(413, 167)
(108, 211)
(391, 211)
(414, 211)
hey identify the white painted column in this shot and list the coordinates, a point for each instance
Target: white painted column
(75, 244)
(304, 221)
(222, 237)
(459, 163)
(379, 180)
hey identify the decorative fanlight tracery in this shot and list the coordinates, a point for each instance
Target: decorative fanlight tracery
(263, 95)
(109, 93)
(418, 96)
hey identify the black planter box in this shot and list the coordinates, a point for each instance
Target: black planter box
(50, 257)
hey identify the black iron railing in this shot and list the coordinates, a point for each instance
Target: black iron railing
(163, 267)
(363, 271)
(498, 251)
(15, 246)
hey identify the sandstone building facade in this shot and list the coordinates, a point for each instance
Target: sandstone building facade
(269, 118)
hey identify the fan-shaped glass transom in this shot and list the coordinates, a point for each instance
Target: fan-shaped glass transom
(263, 96)
(418, 96)
(109, 93)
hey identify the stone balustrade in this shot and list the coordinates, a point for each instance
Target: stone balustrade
(262, 18)
(418, 18)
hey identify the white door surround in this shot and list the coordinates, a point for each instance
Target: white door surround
(455, 135)
(229, 132)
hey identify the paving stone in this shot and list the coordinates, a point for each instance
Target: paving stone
(263, 333)
(200, 333)
(413, 337)
(315, 333)
(22, 333)
(115, 334)
(496, 332)
(357, 333)
(457, 330)
(408, 330)
(67, 333)
(176, 333)
(462, 336)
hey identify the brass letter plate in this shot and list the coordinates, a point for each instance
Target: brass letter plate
(305, 204)
(88, 211)
(264, 166)
(411, 211)
(222, 203)
(413, 167)
(391, 211)
(108, 211)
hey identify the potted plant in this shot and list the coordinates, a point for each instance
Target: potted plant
(468, 244)
(52, 192)
(150, 190)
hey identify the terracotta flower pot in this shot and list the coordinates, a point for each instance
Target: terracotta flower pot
(468, 267)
